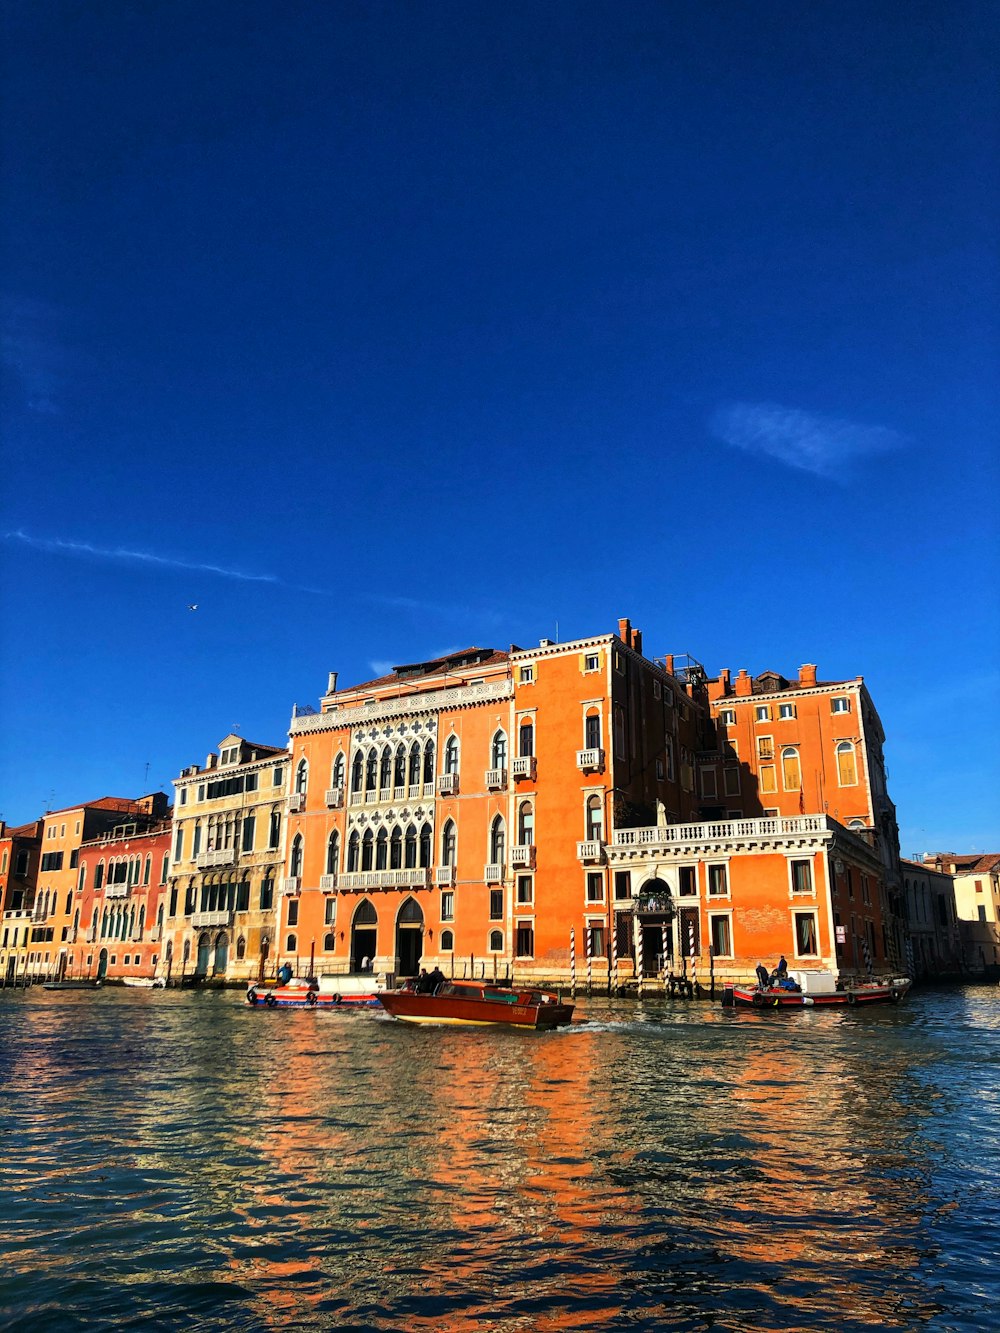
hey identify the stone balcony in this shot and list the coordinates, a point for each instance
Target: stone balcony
(221, 856)
(291, 884)
(524, 766)
(590, 852)
(334, 798)
(444, 876)
(493, 873)
(296, 802)
(496, 778)
(447, 784)
(201, 920)
(328, 883)
(417, 877)
(522, 857)
(117, 890)
(590, 761)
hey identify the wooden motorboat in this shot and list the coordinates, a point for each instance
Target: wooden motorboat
(146, 983)
(478, 1004)
(814, 988)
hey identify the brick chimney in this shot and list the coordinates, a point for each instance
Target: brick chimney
(331, 684)
(668, 664)
(807, 674)
(637, 640)
(724, 680)
(625, 632)
(743, 685)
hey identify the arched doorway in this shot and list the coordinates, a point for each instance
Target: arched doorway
(409, 938)
(654, 913)
(102, 965)
(204, 954)
(221, 953)
(364, 935)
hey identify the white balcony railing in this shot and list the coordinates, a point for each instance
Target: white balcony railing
(493, 873)
(591, 852)
(334, 798)
(522, 857)
(590, 760)
(725, 830)
(328, 883)
(292, 884)
(495, 778)
(447, 784)
(222, 856)
(92, 933)
(524, 766)
(417, 877)
(444, 876)
(116, 890)
(296, 802)
(202, 919)
(154, 935)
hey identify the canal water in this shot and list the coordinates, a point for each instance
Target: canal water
(175, 1160)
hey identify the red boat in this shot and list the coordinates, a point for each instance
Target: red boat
(325, 994)
(806, 990)
(478, 1004)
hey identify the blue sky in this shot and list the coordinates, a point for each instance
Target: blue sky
(379, 329)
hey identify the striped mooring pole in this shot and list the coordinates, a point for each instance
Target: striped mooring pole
(613, 974)
(572, 960)
(663, 946)
(590, 959)
(639, 969)
(691, 954)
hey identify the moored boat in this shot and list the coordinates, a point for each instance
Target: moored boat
(145, 983)
(478, 1004)
(808, 989)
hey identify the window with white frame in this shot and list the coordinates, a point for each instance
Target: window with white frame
(762, 713)
(840, 703)
(802, 878)
(591, 662)
(524, 939)
(447, 905)
(525, 889)
(806, 935)
(791, 772)
(718, 881)
(594, 819)
(496, 941)
(728, 717)
(709, 784)
(447, 941)
(595, 886)
(721, 934)
(731, 780)
(786, 711)
(526, 675)
(847, 770)
(451, 755)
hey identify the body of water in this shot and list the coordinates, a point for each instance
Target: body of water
(175, 1160)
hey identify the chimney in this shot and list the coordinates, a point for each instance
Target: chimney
(625, 632)
(545, 643)
(211, 761)
(743, 685)
(637, 641)
(807, 674)
(724, 680)
(668, 664)
(331, 684)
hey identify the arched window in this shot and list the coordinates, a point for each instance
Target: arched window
(332, 852)
(76, 921)
(447, 941)
(142, 919)
(357, 772)
(241, 948)
(291, 944)
(525, 824)
(385, 769)
(498, 750)
(302, 777)
(367, 846)
(371, 769)
(448, 844)
(791, 775)
(353, 851)
(147, 869)
(429, 762)
(81, 881)
(451, 755)
(498, 841)
(592, 729)
(399, 768)
(425, 845)
(164, 868)
(382, 849)
(414, 763)
(295, 861)
(365, 915)
(339, 766)
(99, 872)
(847, 771)
(496, 941)
(329, 943)
(274, 832)
(396, 849)
(411, 847)
(595, 819)
(526, 740)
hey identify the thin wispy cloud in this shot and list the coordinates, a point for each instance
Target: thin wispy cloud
(824, 446)
(123, 555)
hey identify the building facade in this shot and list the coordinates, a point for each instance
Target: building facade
(932, 923)
(20, 854)
(976, 879)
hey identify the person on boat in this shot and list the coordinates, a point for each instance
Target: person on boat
(763, 976)
(436, 979)
(780, 973)
(284, 974)
(422, 985)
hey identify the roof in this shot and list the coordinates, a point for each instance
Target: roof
(122, 803)
(467, 659)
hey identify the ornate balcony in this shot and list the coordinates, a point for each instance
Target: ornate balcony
(296, 802)
(222, 856)
(522, 857)
(493, 873)
(447, 784)
(328, 883)
(334, 798)
(524, 766)
(199, 920)
(417, 877)
(590, 761)
(590, 853)
(496, 778)
(292, 884)
(116, 890)
(444, 876)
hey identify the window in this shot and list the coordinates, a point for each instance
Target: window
(765, 747)
(448, 844)
(293, 911)
(332, 852)
(709, 784)
(840, 704)
(526, 675)
(525, 889)
(786, 711)
(447, 905)
(595, 886)
(496, 904)
(524, 940)
(623, 884)
(447, 941)
(330, 912)
(728, 717)
(302, 777)
(718, 885)
(762, 712)
(721, 935)
(184, 796)
(802, 881)
(525, 825)
(291, 944)
(659, 770)
(731, 780)
(847, 773)
(498, 842)
(451, 755)
(791, 776)
(669, 751)
(805, 934)
(428, 763)
(768, 779)
(496, 941)
(657, 691)
(597, 937)
(52, 860)
(368, 848)
(498, 751)
(266, 896)
(526, 740)
(619, 732)
(594, 817)
(591, 662)
(278, 776)
(179, 844)
(688, 881)
(339, 768)
(274, 831)
(295, 861)
(249, 828)
(592, 731)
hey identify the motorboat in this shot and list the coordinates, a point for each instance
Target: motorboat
(816, 988)
(357, 990)
(478, 1004)
(146, 983)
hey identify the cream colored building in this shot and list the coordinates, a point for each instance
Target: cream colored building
(977, 901)
(227, 854)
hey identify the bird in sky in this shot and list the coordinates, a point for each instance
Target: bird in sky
(193, 606)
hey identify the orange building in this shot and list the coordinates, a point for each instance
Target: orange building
(20, 853)
(120, 898)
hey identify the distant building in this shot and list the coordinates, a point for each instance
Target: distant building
(226, 858)
(932, 921)
(20, 854)
(977, 900)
